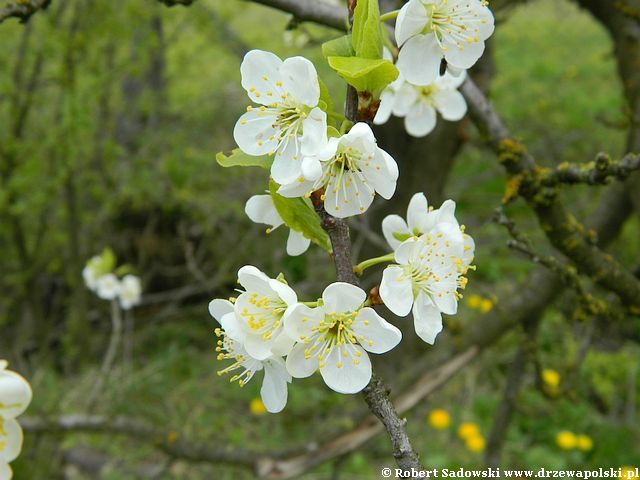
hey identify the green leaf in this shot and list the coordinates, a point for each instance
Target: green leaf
(338, 47)
(103, 263)
(299, 215)
(365, 74)
(333, 132)
(366, 32)
(237, 158)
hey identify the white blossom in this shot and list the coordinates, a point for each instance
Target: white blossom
(429, 30)
(288, 122)
(421, 218)
(260, 311)
(230, 346)
(351, 169)
(130, 292)
(429, 271)
(15, 396)
(260, 209)
(108, 287)
(335, 337)
(418, 104)
(90, 273)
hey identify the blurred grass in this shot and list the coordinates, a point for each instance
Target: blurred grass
(557, 89)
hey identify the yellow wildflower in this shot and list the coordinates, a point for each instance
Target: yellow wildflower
(467, 430)
(257, 407)
(566, 440)
(439, 419)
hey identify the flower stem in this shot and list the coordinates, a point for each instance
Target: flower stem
(310, 304)
(389, 15)
(362, 266)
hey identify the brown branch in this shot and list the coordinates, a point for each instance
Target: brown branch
(315, 11)
(593, 173)
(561, 228)
(22, 10)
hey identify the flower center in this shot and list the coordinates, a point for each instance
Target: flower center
(334, 331)
(452, 22)
(265, 315)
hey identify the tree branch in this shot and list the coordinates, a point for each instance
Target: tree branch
(315, 11)
(23, 9)
(593, 173)
(561, 228)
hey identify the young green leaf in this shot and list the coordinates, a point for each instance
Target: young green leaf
(365, 74)
(338, 47)
(325, 97)
(237, 158)
(299, 215)
(366, 32)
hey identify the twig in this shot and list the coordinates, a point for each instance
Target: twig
(22, 10)
(110, 355)
(593, 173)
(561, 228)
(315, 11)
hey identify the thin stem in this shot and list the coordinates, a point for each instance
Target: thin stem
(389, 15)
(110, 355)
(362, 266)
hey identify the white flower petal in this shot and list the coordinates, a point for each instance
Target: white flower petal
(412, 19)
(300, 79)
(232, 327)
(387, 102)
(404, 251)
(260, 72)
(469, 250)
(381, 172)
(394, 224)
(274, 385)
(257, 346)
(284, 291)
(260, 209)
(300, 321)
(13, 438)
(427, 319)
(406, 98)
(297, 243)
(254, 132)
(314, 132)
(219, 307)
(396, 291)
(351, 197)
(5, 471)
(282, 345)
(451, 104)
(419, 59)
(462, 56)
(287, 163)
(347, 374)
(311, 168)
(343, 297)
(15, 394)
(253, 280)
(417, 211)
(374, 333)
(447, 213)
(299, 366)
(108, 286)
(421, 120)
(296, 188)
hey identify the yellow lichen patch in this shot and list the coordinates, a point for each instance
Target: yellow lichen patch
(512, 189)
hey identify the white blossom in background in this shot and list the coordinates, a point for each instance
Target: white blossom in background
(429, 30)
(90, 273)
(429, 271)
(418, 104)
(351, 169)
(230, 346)
(108, 287)
(130, 292)
(15, 396)
(260, 209)
(421, 218)
(288, 122)
(261, 311)
(336, 336)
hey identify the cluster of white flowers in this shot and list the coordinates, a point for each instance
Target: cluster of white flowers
(266, 324)
(106, 284)
(290, 126)
(15, 397)
(432, 255)
(267, 327)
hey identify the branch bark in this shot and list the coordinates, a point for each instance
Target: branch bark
(22, 10)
